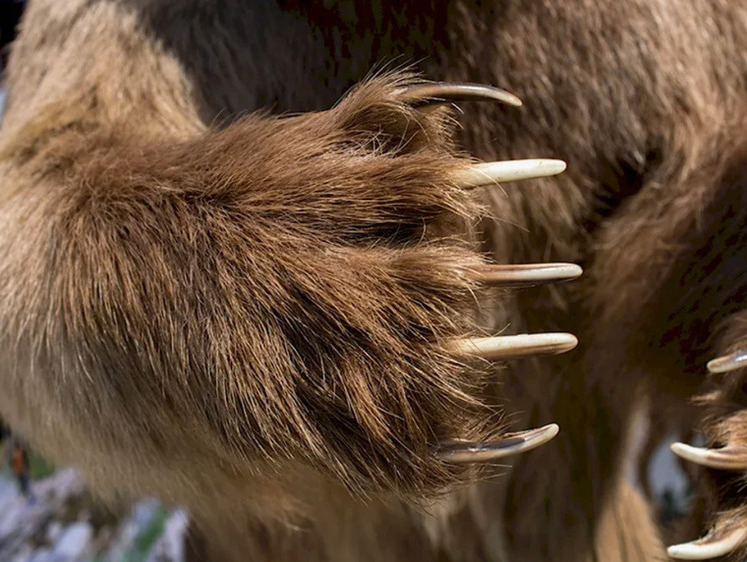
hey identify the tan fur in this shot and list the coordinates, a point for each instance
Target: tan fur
(247, 314)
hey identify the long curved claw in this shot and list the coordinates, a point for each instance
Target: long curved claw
(728, 458)
(730, 362)
(514, 443)
(491, 173)
(515, 347)
(523, 275)
(439, 92)
(720, 541)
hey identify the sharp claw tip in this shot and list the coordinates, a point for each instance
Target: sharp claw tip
(492, 173)
(552, 430)
(688, 452)
(677, 447)
(720, 541)
(511, 444)
(439, 92)
(725, 458)
(727, 363)
(512, 99)
(680, 552)
(515, 347)
(519, 275)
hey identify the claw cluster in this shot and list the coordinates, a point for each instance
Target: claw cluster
(729, 532)
(500, 347)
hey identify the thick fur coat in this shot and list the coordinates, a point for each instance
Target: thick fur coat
(249, 314)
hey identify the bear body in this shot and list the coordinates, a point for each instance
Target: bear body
(250, 314)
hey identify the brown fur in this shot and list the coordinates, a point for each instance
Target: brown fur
(247, 314)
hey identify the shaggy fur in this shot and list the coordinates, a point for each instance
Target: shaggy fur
(247, 314)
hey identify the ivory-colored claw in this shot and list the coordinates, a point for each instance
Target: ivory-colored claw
(439, 92)
(525, 274)
(730, 362)
(514, 443)
(718, 542)
(728, 458)
(489, 173)
(515, 347)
